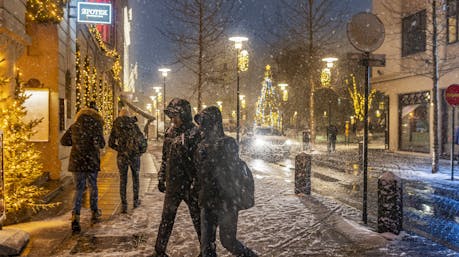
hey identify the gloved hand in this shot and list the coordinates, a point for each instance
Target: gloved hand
(162, 186)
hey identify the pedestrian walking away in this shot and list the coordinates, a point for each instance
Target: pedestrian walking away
(218, 207)
(177, 174)
(129, 142)
(86, 137)
(332, 132)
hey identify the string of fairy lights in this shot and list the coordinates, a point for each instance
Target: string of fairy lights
(45, 11)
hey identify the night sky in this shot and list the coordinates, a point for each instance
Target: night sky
(152, 51)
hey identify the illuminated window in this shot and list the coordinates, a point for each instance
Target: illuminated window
(451, 19)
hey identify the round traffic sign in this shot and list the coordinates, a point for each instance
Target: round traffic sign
(365, 32)
(452, 95)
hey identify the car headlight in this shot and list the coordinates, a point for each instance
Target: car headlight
(259, 142)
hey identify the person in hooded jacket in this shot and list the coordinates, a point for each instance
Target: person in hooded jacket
(217, 209)
(86, 137)
(126, 157)
(177, 174)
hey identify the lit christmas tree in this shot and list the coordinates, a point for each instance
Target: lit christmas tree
(22, 164)
(267, 113)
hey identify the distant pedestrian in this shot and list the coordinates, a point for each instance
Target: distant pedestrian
(217, 209)
(86, 137)
(177, 174)
(127, 139)
(332, 132)
(306, 139)
(146, 129)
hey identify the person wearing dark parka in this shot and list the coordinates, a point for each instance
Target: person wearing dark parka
(122, 131)
(177, 174)
(86, 137)
(217, 209)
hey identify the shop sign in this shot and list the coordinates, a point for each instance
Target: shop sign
(97, 13)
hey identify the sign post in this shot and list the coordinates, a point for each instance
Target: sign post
(452, 98)
(366, 33)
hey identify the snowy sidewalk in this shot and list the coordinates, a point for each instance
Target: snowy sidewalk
(280, 224)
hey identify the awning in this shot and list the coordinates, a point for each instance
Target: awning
(136, 109)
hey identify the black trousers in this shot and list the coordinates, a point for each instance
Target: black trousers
(170, 206)
(124, 162)
(226, 219)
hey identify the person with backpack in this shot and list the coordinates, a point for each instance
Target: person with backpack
(86, 138)
(177, 174)
(127, 139)
(219, 171)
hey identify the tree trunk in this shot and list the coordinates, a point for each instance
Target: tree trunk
(435, 95)
(201, 48)
(312, 124)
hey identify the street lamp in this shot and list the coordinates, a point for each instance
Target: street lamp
(219, 103)
(329, 64)
(283, 88)
(164, 72)
(238, 45)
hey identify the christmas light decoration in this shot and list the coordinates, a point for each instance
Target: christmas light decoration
(45, 11)
(358, 98)
(267, 113)
(22, 164)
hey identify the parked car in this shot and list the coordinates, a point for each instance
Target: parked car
(266, 143)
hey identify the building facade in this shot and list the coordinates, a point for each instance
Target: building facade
(71, 63)
(407, 78)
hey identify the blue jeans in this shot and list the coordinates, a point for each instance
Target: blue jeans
(124, 162)
(79, 179)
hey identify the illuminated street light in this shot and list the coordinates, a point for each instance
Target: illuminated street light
(238, 45)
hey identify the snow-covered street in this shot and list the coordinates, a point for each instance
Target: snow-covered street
(280, 224)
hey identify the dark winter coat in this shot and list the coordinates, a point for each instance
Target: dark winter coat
(177, 166)
(119, 135)
(210, 156)
(86, 138)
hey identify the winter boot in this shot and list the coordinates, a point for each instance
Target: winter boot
(124, 209)
(96, 216)
(248, 253)
(155, 254)
(76, 223)
(136, 203)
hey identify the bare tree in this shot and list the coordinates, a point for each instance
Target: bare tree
(310, 31)
(197, 28)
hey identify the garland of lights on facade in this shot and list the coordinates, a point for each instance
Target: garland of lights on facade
(45, 11)
(112, 53)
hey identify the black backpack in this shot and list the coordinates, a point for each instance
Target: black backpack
(136, 142)
(237, 183)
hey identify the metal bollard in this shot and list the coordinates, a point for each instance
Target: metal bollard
(303, 174)
(390, 205)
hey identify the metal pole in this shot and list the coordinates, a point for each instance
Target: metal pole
(365, 138)
(452, 141)
(237, 96)
(164, 106)
(157, 121)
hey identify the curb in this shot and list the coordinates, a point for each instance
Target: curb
(65, 182)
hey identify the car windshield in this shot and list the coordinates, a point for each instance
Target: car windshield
(267, 132)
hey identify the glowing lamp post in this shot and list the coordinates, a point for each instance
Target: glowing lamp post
(164, 72)
(238, 45)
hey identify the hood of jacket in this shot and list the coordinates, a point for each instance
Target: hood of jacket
(89, 112)
(210, 119)
(180, 107)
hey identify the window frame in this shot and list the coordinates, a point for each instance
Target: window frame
(409, 41)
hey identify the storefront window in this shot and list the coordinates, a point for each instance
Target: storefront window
(414, 122)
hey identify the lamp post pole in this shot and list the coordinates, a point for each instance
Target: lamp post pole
(164, 72)
(238, 45)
